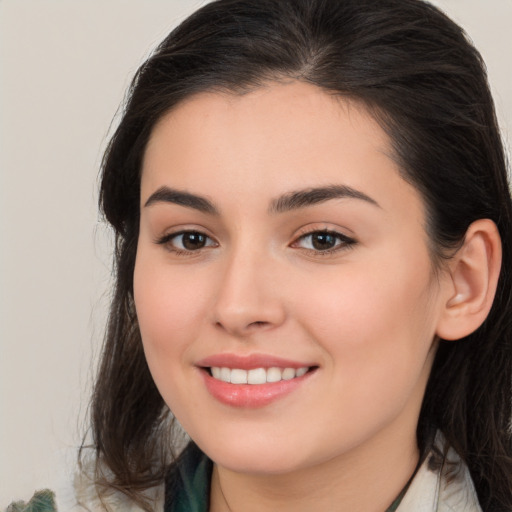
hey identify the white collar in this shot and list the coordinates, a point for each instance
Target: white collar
(441, 484)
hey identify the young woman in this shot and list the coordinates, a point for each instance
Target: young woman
(313, 263)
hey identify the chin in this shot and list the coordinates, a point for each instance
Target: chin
(264, 457)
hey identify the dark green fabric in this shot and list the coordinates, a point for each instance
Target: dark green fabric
(42, 501)
(188, 484)
(395, 503)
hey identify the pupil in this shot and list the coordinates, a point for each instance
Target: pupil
(192, 241)
(323, 241)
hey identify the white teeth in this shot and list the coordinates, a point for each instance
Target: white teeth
(273, 374)
(257, 375)
(225, 374)
(238, 376)
(302, 371)
(288, 373)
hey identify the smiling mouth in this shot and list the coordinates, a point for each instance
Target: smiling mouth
(253, 381)
(257, 376)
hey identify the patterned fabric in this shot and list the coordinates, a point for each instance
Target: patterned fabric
(42, 501)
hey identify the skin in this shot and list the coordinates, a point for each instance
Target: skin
(366, 314)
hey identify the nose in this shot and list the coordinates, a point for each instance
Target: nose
(248, 298)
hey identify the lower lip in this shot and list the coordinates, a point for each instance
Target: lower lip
(251, 395)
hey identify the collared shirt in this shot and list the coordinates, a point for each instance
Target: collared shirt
(188, 489)
(442, 483)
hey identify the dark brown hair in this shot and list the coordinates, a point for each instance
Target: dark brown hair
(426, 84)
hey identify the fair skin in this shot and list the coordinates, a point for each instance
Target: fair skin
(341, 283)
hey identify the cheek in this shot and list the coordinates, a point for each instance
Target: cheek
(376, 324)
(168, 311)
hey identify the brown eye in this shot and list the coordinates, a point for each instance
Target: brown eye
(192, 241)
(186, 241)
(324, 241)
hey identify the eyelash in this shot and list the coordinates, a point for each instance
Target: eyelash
(167, 240)
(342, 242)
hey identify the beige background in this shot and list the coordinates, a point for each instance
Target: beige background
(64, 65)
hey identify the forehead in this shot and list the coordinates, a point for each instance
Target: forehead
(270, 140)
(287, 112)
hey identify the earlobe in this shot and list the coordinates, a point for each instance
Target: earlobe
(474, 271)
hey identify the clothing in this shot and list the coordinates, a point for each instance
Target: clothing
(192, 494)
(442, 483)
(42, 501)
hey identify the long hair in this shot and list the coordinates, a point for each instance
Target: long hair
(424, 82)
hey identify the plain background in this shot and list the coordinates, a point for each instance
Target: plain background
(64, 67)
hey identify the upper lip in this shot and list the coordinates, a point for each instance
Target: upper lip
(250, 362)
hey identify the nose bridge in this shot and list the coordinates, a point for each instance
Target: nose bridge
(247, 297)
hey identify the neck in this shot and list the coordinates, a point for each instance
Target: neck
(368, 479)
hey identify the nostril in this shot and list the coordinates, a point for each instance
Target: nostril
(257, 324)
(241, 329)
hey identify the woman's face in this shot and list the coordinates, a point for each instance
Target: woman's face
(276, 238)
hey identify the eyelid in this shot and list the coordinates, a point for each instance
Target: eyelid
(343, 241)
(346, 242)
(178, 229)
(166, 239)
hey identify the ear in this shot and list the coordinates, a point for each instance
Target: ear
(473, 277)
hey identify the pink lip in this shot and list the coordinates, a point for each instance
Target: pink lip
(249, 362)
(251, 395)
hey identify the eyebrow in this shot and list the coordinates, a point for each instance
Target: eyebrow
(312, 196)
(287, 202)
(169, 195)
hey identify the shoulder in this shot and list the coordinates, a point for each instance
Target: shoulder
(83, 497)
(74, 490)
(79, 494)
(442, 483)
